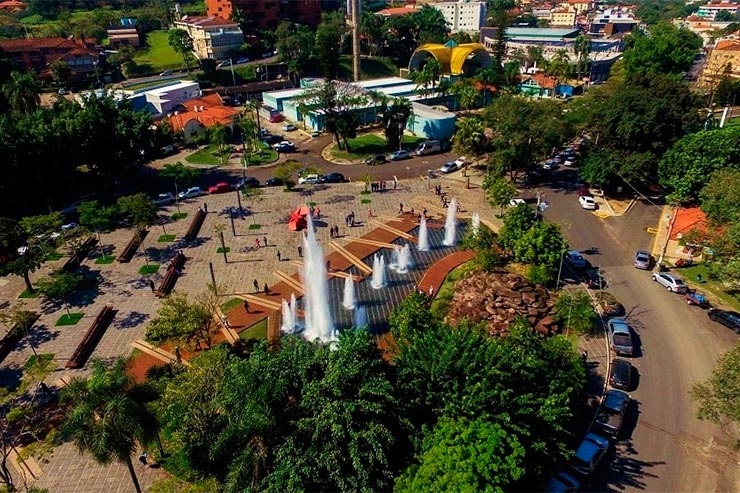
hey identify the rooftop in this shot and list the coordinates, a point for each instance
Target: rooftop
(546, 32)
(396, 11)
(206, 21)
(208, 110)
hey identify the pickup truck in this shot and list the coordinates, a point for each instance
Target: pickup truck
(696, 298)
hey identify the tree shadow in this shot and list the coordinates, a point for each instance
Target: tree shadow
(132, 319)
(10, 377)
(37, 335)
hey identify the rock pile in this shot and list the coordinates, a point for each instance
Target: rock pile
(498, 298)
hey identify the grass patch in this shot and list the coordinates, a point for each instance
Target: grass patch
(257, 331)
(365, 201)
(265, 155)
(370, 68)
(223, 250)
(149, 269)
(232, 303)
(28, 294)
(255, 226)
(158, 56)
(179, 215)
(166, 238)
(209, 156)
(709, 284)
(42, 359)
(52, 256)
(105, 259)
(311, 204)
(70, 319)
(365, 145)
(365, 192)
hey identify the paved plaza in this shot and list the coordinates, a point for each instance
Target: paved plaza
(128, 291)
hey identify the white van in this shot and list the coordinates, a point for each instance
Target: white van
(428, 147)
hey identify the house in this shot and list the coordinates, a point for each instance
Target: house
(723, 60)
(612, 21)
(710, 10)
(704, 28)
(12, 6)
(194, 116)
(124, 34)
(562, 18)
(579, 6)
(538, 85)
(36, 55)
(213, 37)
(266, 15)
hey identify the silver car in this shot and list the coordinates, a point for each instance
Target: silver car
(670, 282)
(620, 337)
(643, 260)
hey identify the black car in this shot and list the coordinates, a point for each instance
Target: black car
(273, 139)
(593, 279)
(334, 178)
(247, 181)
(273, 182)
(620, 374)
(375, 159)
(731, 320)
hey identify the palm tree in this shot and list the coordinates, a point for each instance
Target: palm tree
(467, 95)
(560, 68)
(470, 138)
(395, 118)
(582, 48)
(22, 92)
(108, 417)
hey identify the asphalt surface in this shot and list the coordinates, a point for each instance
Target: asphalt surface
(664, 447)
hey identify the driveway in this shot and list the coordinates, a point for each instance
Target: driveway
(666, 448)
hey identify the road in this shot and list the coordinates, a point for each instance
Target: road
(667, 448)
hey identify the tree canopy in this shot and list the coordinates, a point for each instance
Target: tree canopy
(666, 49)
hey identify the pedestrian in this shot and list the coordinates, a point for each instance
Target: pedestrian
(300, 252)
(257, 242)
(225, 321)
(336, 231)
(278, 256)
(431, 290)
(267, 289)
(424, 213)
(400, 208)
(178, 355)
(257, 285)
(412, 212)
(151, 285)
(264, 240)
(205, 207)
(331, 232)
(395, 183)
(370, 213)
(328, 265)
(142, 458)
(246, 306)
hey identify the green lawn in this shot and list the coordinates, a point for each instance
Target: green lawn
(54, 256)
(28, 294)
(232, 303)
(149, 269)
(206, 156)
(266, 155)
(166, 238)
(365, 145)
(257, 331)
(370, 68)
(105, 259)
(158, 56)
(731, 298)
(70, 319)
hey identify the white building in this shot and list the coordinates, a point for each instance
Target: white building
(462, 15)
(710, 10)
(213, 37)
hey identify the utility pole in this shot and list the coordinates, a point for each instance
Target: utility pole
(355, 5)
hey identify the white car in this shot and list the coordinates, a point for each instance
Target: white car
(311, 179)
(283, 143)
(190, 193)
(449, 167)
(289, 127)
(460, 162)
(587, 203)
(569, 161)
(670, 282)
(516, 201)
(164, 199)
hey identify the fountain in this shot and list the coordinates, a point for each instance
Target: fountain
(475, 222)
(360, 317)
(423, 244)
(350, 299)
(290, 323)
(378, 281)
(401, 259)
(451, 224)
(318, 320)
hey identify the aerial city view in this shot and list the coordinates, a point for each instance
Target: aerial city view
(369, 245)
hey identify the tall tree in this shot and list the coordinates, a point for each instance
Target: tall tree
(22, 92)
(20, 255)
(718, 397)
(138, 209)
(582, 48)
(395, 118)
(107, 417)
(328, 45)
(470, 139)
(666, 49)
(182, 43)
(181, 321)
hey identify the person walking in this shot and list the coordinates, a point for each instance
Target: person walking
(205, 207)
(278, 256)
(400, 208)
(143, 457)
(300, 252)
(151, 285)
(267, 289)
(256, 286)
(257, 242)
(246, 306)
(264, 240)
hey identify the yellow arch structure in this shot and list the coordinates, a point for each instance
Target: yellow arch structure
(451, 59)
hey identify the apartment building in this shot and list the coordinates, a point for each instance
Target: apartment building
(562, 18)
(462, 15)
(213, 37)
(267, 14)
(710, 10)
(37, 55)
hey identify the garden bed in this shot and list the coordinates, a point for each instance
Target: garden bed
(366, 145)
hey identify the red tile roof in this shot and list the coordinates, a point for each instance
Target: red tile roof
(12, 4)
(543, 80)
(16, 45)
(207, 21)
(213, 113)
(687, 220)
(728, 45)
(397, 11)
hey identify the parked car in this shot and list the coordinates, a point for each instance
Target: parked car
(242, 60)
(587, 202)
(562, 482)
(643, 260)
(289, 127)
(272, 139)
(167, 150)
(311, 179)
(69, 226)
(620, 337)
(670, 282)
(696, 298)
(264, 133)
(284, 146)
(516, 201)
(190, 193)
(593, 279)
(315, 134)
(569, 161)
(375, 159)
(584, 192)
(449, 167)
(221, 187)
(274, 182)
(610, 417)
(399, 155)
(731, 320)
(165, 73)
(575, 259)
(247, 181)
(589, 453)
(620, 375)
(334, 178)
(164, 199)
(550, 164)
(460, 162)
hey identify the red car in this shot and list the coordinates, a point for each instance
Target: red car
(222, 187)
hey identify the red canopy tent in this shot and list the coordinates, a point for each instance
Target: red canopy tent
(297, 221)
